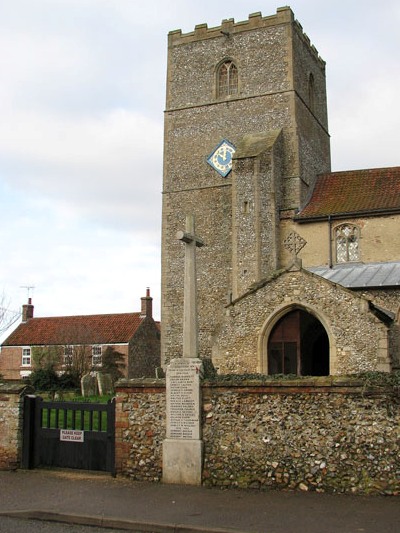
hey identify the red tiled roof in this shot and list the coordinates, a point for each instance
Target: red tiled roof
(354, 192)
(84, 329)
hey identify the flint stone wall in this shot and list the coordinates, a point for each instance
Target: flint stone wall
(325, 434)
(11, 417)
(140, 428)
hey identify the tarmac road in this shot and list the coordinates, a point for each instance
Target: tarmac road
(121, 504)
(19, 525)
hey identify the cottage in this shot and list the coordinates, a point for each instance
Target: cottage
(83, 341)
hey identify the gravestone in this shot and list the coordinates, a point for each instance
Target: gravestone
(89, 385)
(160, 374)
(105, 383)
(183, 447)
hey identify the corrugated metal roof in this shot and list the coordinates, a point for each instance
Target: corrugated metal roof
(359, 275)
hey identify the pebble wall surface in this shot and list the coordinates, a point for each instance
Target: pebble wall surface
(323, 434)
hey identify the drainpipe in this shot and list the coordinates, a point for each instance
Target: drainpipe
(330, 240)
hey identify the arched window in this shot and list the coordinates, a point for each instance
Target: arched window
(227, 79)
(311, 91)
(347, 243)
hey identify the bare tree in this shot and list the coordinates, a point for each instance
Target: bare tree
(77, 360)
(8, 317)
(76, 342)
(46, 357)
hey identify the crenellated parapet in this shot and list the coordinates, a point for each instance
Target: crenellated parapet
(229, 28)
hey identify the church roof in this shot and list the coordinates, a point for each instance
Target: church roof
(354, 192)
(84, 329)
(361, 276)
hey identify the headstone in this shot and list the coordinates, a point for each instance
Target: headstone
(160, 374)
(105, 384)
(89, 385)
(183, 447)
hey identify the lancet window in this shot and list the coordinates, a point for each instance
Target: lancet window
(228, 79)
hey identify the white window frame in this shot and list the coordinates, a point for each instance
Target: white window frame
(68, 355)
(97, 355)
(26, 359)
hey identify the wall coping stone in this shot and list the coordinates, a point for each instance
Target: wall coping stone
(15, 387)
(307, 384)
(317, 385)
(141, 383)
(356, 390)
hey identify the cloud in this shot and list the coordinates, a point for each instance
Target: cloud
(106, 167)
(365, 128)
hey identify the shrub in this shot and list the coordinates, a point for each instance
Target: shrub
(68, 381)
(44, 379)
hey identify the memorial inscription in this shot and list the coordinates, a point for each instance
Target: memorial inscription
(183, 399)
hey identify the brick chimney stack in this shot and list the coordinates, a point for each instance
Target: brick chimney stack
(147, 305)
(27, 311)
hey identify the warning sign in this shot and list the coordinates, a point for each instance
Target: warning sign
(71, 435)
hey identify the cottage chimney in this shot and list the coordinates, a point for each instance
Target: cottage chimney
(27, 311)
(147, 305)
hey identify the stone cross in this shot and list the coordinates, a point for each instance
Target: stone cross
(190, 327)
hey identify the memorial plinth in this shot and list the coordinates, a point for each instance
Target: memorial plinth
(183, 447)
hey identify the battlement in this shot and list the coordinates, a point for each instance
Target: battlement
(229, 28)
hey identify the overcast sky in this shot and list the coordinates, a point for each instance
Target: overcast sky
(82, 94)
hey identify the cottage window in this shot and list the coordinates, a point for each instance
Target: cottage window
(347, 240)
(68, 353)
(227, 79)
(96, 356)
(26, 357)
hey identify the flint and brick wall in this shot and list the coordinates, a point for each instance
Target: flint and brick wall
(333, 436)
(11, 416)
(323, 434)
(329, 434)
(140, 429)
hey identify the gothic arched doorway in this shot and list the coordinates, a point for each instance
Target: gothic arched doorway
(298, 344)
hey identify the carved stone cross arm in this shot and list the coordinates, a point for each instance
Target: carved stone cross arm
(188, 236)
(190, 326)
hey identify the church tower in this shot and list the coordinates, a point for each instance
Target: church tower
(245, 136)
